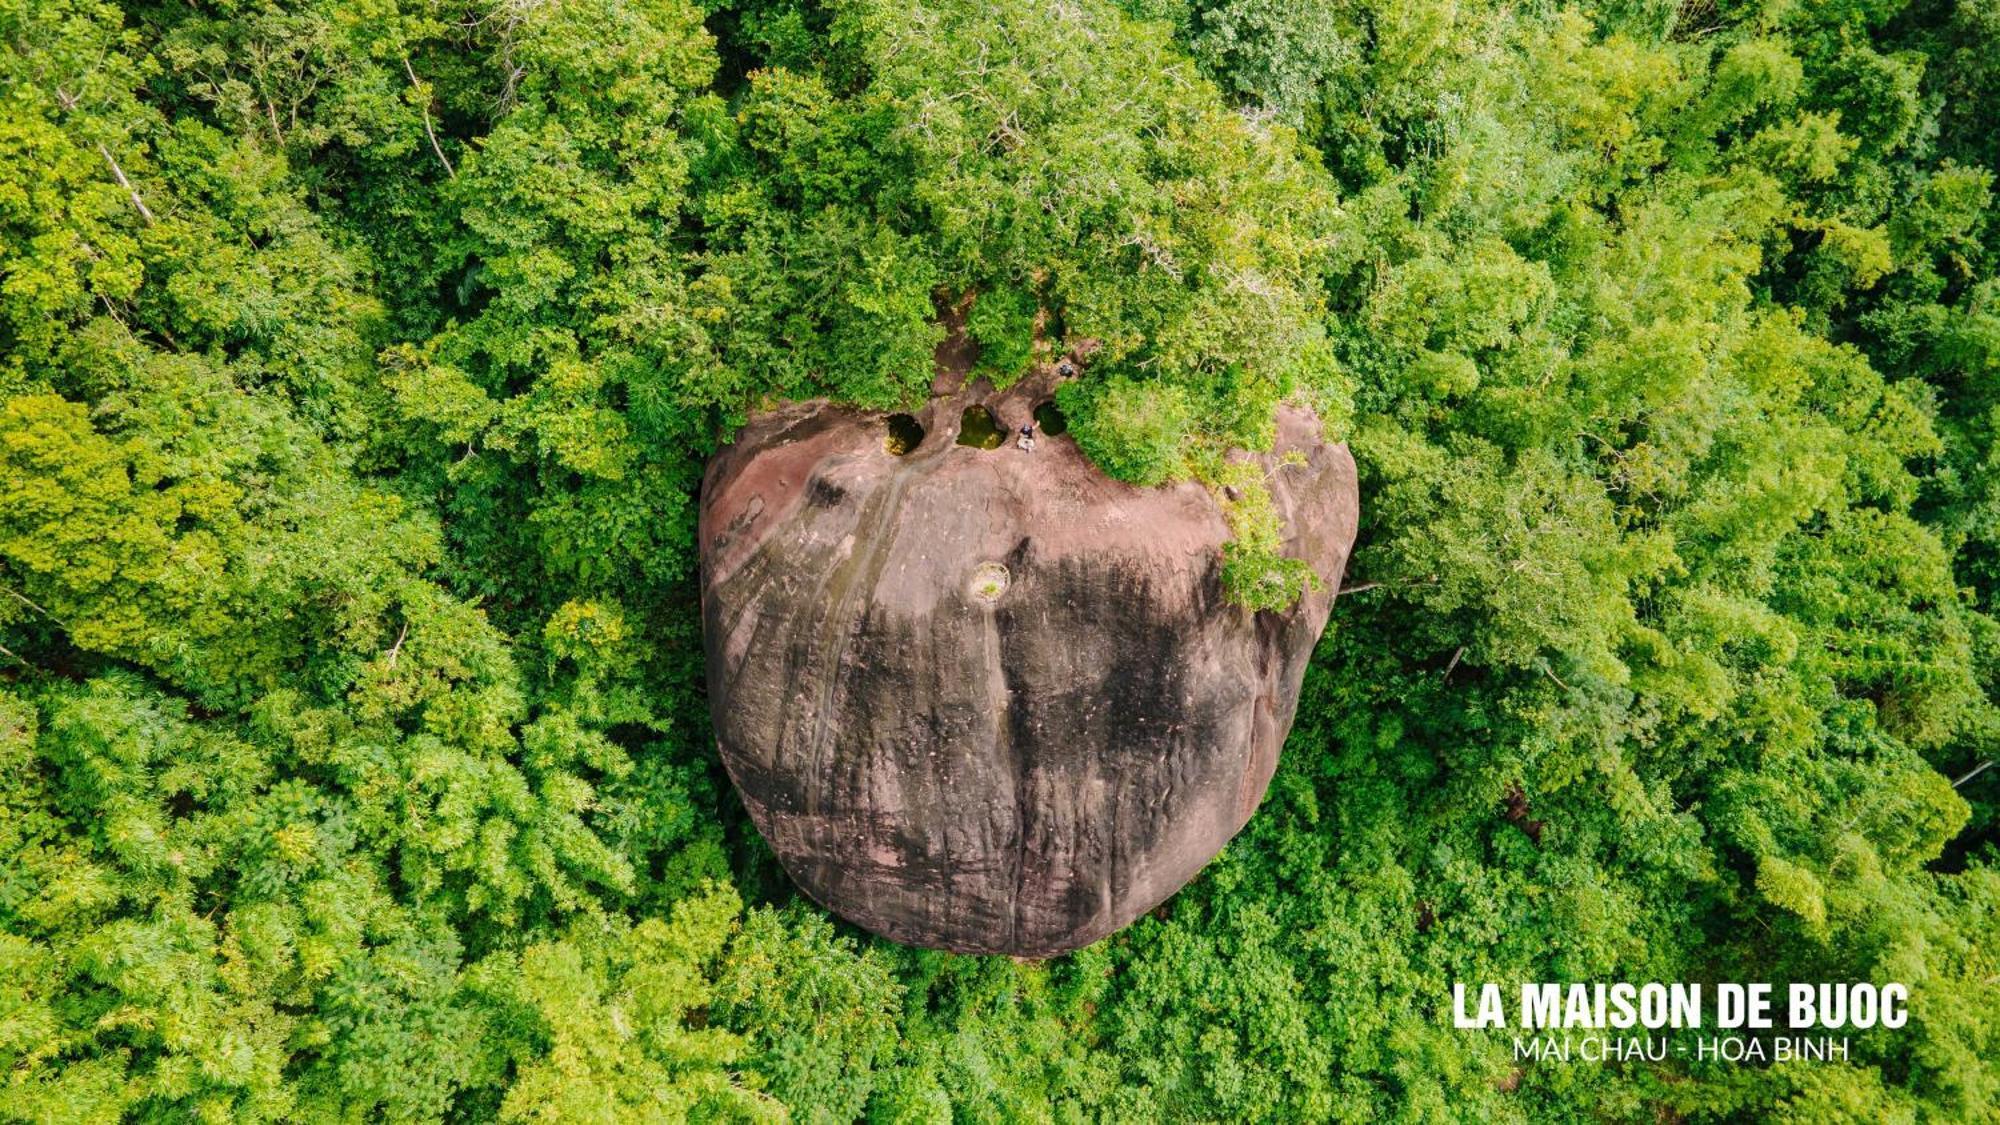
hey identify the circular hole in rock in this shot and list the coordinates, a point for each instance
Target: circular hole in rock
(905, 434)
(989, 581)
(977, 429)
(1049, 419)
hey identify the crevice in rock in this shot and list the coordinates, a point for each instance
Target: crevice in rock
(977, 428)
(905, 434)
(1049, 419)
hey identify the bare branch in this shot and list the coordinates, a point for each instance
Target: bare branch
(1551, 674)
(34, 605)
(1364, 587)
(425, 107)
(68, 102)
(1974, 772)
(119, 174)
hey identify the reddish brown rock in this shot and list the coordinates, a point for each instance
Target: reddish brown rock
(989, 700)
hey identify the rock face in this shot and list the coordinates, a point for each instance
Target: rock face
(990, 700)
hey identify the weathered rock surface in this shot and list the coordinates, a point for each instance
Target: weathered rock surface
(1016, 761)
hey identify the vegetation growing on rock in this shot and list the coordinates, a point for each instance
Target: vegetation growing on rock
(357, 367)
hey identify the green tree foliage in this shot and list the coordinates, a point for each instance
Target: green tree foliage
(357, 368)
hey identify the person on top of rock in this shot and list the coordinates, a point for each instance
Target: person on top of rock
(1027, 438)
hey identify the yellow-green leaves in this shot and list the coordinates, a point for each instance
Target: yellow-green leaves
(598, 1022)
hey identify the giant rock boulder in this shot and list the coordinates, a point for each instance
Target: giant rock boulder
(990, 700)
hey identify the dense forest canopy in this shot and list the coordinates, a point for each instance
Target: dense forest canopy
(359, 358)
